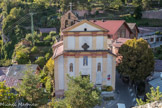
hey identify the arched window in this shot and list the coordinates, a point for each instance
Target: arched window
(69, 15)
(71, 67)
(66, 23)
(99, 67)
(85, 61)
(85, 29)
(72, 23)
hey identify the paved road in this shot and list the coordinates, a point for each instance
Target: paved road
(126, 94)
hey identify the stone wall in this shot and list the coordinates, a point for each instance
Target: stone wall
(151, 105)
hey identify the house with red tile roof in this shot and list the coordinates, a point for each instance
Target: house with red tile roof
(117, 28)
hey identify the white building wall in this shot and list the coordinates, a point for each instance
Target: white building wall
(71, 42)
(99, 42)
(109, 69)
(87, 26)
(85, 39)
(71, 60)
(86, 70)
(61, 72)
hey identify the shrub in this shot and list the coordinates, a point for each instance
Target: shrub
(5, 62)
(47, 38)
(34, 50)
(157, 32)
(138, 12)
(22, 57)
(41, 43)
(107, 88)
(40, 61)
(47, 56)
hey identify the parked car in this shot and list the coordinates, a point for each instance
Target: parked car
(121, 105)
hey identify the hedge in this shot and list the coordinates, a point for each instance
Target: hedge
(43, 43)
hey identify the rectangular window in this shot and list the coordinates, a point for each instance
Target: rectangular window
(152, 39)
(85, 61)
(85, 76)
(123, 35)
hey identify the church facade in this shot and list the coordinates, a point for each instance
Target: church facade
(83, 51)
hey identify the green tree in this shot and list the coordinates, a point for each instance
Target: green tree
(116, 4)
(41, 61)
(137, 12)
(6, 96)
(48, 76)
(22, 56)
(137, 3)
(154, 95)
(31, 90)
(80, 94)
(158, 53)
(146, 4)
(137, 59)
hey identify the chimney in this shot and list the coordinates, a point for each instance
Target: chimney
(103, 20)
(94, 20)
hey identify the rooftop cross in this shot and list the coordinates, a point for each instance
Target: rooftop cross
(71, 6)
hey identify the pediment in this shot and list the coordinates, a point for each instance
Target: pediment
(85, 26)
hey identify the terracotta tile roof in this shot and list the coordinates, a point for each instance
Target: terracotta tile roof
(47, 30)
(119, 42)
(111, 25)
(132, 25)
(158, 66)
(149, 29)
(3, 70)
(80, 13)
(9, 81)
(58, 49)
(18, 71)
(15, 74)
(57, 44)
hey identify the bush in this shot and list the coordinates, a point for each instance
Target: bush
(5, 62)
(22, 57)
(47, 38)
(41, 43)
(34, 50)
(138, 12)
(107, 88)
(47, 56)
(41, 61)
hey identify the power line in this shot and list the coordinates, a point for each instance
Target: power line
(17, 22)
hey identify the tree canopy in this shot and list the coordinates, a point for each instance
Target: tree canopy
(154, 95)
(30, 89)
(80, 94)
(6, 95)
(137, 59)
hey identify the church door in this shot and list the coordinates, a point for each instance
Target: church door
(99, 74)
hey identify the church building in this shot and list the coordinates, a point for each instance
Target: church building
(84, 51)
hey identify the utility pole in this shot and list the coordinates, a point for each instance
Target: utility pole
(32, 24)
(32, 27)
